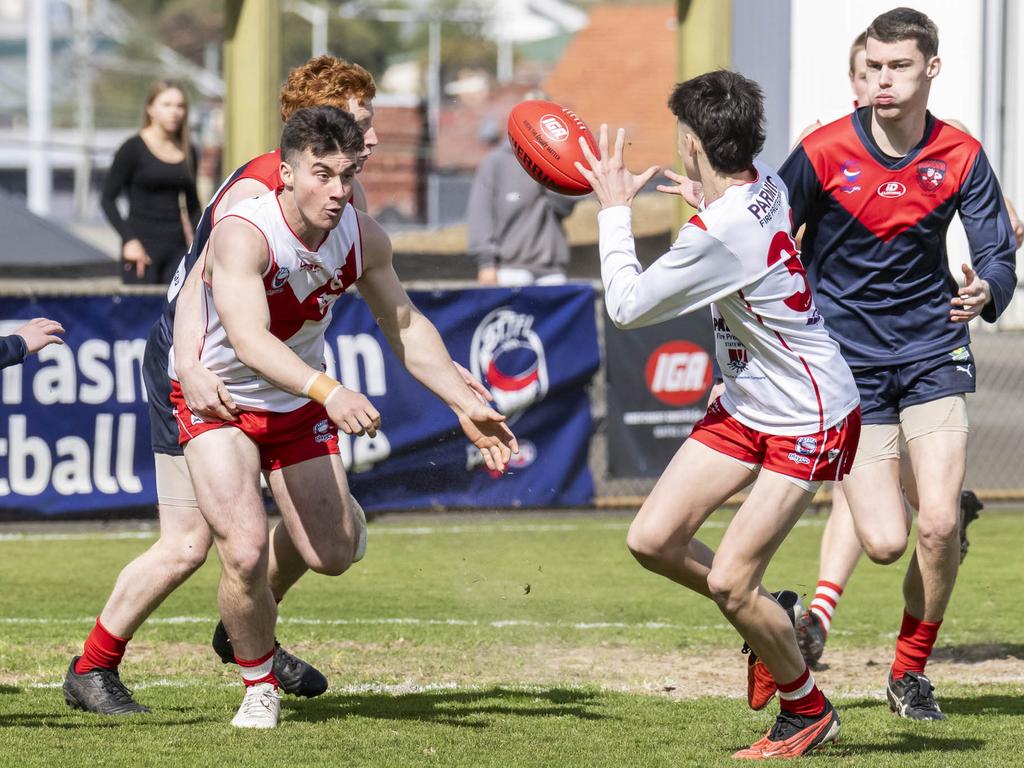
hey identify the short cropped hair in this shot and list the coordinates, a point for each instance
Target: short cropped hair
(859, 44)
(321, 130)
(906, 24)
(325, 81)
(726, 111)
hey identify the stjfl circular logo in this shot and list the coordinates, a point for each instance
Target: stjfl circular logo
(678, 373)
(508, 356)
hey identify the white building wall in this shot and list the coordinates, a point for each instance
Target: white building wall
(819, 64)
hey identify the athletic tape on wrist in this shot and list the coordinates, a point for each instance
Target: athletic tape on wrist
(320, 387)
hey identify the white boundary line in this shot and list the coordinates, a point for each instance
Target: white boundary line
(386, 529)
(394, 621)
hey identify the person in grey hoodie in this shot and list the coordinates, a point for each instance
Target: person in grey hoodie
(515, 224)
(28, 339)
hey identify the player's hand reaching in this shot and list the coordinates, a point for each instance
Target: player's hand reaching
(691, 191)
(482, 393)
(972, 298)
(486, 429)
(205, 393)
(352, 412)
(40, 332)
(611, 181)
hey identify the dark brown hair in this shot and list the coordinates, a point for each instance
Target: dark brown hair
(906, 24)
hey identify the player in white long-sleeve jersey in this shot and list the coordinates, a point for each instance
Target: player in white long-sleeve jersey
(789, 417)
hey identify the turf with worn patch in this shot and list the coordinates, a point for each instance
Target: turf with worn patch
(511, 641)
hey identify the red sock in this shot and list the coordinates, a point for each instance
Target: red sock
(914, 645)
(102, 649)
(826, 597)
(260, 670)
(802, 696)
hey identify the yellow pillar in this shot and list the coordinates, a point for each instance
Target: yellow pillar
(252, 79)
(704, 44)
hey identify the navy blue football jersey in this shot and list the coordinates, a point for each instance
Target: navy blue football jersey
(875, 241)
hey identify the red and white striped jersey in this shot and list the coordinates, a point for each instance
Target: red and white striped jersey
(301, 288)
(784, 374)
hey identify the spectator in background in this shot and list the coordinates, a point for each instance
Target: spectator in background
(515, 224)
(27, 340)
(156, 167)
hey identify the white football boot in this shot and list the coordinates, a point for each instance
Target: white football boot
(261, 707)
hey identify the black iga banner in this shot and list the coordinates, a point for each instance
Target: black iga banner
(658, 379)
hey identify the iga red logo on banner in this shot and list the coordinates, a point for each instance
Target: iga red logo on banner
(678, 373)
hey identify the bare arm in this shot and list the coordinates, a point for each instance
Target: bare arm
(205, 393)
(419, 346)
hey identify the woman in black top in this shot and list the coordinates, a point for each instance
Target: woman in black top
(156, 167)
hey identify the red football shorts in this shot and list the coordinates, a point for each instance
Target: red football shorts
(283, 438)
(826, 455)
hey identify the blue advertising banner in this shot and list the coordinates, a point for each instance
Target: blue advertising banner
(74, 429)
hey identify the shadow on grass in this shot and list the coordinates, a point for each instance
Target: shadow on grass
(982, 704)
(974, 653)
(461, 708)
(911, 743)
(74, 720)
(9, 689)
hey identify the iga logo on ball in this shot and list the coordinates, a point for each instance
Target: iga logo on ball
(545, 137)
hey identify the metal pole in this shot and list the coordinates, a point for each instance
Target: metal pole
(251, 81)
(993, 69)
(84, 103)
(319, 24)
(40, 181)
(433, 119)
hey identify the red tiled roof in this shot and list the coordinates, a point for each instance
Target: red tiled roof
(620, 70)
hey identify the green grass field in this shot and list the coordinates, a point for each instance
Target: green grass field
(512, 641)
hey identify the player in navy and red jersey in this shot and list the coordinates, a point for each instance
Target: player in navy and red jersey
(876, 191)
(92, 682)
(840, 547)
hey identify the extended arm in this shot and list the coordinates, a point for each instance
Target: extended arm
(695, 271)
(419, 346)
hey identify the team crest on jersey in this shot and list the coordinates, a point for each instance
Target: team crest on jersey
(738, 359)
(806, 445)
(960, 354)
(930, 174)
(280, 278)
(508, 356)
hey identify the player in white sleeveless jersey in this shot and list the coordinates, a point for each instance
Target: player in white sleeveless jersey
(789, 417)
(273, 268)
